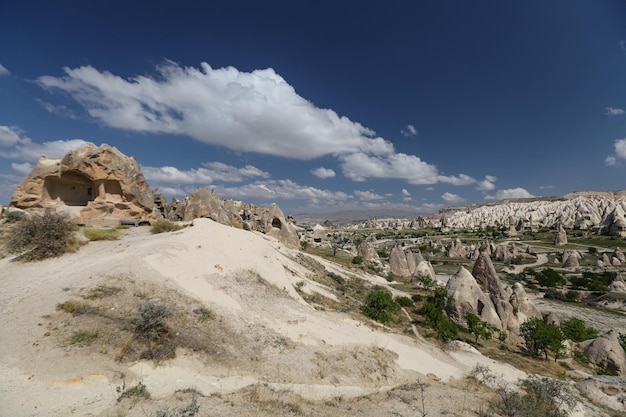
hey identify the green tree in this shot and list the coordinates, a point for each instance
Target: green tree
(379, 305)
(575, 330)
(477, 327)
(542, 338)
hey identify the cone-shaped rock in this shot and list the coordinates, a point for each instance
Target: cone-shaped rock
(398, 263)
(486, 275)
(469, 298)
(606, 352)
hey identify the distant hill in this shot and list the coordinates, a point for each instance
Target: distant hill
(354, 216)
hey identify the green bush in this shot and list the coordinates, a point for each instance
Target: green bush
(357, 260)
(547, 278)
(404, 301)
(380, 306)
(162, 225)
(151, 323)
(42, 236)
(554, 294)
(434, 312)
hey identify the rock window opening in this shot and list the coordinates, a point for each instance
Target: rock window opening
(277, 223)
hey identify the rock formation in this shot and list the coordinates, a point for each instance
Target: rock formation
(96, 186)
(469, 298)
(424, 269)
(605, 352)
(486, 275)
(457, 250)
(615, 223)
(368, 252)
(398, 263)
(618, 284)
(569, 259)
(100, 186)
(482, 289)
(561, 236)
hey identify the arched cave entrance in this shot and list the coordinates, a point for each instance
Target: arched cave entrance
(72, 188)
(277, 223)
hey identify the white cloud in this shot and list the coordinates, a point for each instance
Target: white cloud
(430, 189)
(546, 187)
(3, 70)
(359, 167)
(23, 169)
(622, 45)
(610, 161)
(409, 130)
(405, 193)
(610, 111)
(211, 172)
(22, 147)
(27, 150)
(368, 196)
(487, 184)
(620, 148)
(9, 136)
(323, 173)
(452, 198)
(273, 190)
(252, 112)
(510, 193)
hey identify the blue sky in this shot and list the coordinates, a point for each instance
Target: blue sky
(325, 105)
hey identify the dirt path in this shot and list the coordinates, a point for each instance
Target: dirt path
(516, 269)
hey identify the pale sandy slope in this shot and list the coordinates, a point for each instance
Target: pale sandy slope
(39, 376)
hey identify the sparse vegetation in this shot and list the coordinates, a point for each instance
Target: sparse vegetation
(41, 236)
(162, 226)
(541, 397)
(84, 337)
(189, 410)
(135, 393)
(74, 307)
(102, 234)
(151, 323)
